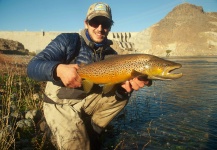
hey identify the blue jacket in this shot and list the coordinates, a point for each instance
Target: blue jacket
(64, 49)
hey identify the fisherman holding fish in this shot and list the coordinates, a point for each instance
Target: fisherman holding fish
(76, 118)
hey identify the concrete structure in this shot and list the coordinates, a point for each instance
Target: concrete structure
(122, 39)
(37, 41)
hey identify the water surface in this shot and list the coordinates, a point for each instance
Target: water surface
(177, 114)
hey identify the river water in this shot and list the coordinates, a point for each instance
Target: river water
(177, 114)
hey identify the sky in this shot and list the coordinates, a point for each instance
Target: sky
(69, 15)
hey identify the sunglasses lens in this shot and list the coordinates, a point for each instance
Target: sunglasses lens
(106, 24)
(95, 23)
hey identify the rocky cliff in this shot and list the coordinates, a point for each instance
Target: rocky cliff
(12, 47)
(185, 31)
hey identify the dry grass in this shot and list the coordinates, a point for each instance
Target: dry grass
(16, 98)
(15, 63)
(3, 59)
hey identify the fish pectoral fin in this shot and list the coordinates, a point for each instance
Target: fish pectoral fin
(87, 85)
(108, 87)
(135, 73)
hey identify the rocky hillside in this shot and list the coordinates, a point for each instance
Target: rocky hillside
(186, 31)
(12, 47)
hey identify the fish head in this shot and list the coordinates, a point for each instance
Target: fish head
(161, 69)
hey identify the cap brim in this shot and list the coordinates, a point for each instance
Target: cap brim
(99, 14)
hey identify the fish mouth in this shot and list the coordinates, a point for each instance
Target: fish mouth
(169, 72)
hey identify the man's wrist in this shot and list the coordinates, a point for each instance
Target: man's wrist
(121, 93)
(56, 78)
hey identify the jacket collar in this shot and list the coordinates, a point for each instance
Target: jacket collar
(92, 44)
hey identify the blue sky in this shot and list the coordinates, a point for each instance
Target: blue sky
(69, 15)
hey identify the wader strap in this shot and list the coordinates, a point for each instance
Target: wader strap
(48, 100)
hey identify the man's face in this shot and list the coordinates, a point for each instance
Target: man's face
(98, 28)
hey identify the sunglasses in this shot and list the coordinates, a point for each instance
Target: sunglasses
(106, 24)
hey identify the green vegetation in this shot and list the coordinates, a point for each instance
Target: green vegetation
(20, 111)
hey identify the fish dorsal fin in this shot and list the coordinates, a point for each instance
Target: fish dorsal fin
(87, 85)
(108, 87)
(135, 73)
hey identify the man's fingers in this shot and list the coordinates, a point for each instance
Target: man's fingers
(127, 86)
(144, 78)
(75, 66)
(73, 83)
(134, 85)
(137, 83)
(68, 75)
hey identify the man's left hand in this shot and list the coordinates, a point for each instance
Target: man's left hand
(135, 84)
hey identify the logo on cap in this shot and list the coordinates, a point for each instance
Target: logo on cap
(100, 7)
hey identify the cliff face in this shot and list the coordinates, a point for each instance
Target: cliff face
(12, 47)
(186, 31)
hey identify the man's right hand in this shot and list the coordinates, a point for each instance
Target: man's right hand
(68, 75)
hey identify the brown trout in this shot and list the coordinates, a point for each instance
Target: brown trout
(120, 68)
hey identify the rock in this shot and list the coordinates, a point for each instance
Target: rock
(185, 31)
(15, 114)
(31, 114)
(35, 96)
(10, 45)
(24, 123)
(43, 126)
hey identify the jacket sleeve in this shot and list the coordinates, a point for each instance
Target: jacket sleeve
(59, 51)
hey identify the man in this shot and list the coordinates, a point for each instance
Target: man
(75, 117)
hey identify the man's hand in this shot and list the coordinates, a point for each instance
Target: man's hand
(68, 75)
(135, 84)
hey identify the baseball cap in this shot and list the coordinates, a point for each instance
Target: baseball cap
(99, 9)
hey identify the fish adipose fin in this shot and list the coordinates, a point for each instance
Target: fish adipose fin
(87, 85)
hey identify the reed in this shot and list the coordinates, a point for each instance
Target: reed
(17, 96)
